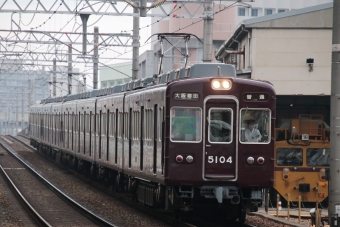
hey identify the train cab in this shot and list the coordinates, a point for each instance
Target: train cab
(302, 156)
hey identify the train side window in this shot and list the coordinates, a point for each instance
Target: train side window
(186, 124)
(103, 121)
(220, 121)
(318, 157)
(160, 121)
(289, 157)
(255, 125)
(112, 123)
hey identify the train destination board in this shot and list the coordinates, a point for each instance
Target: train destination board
(186, 96)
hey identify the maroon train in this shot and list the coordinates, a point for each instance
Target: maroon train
(178, 141)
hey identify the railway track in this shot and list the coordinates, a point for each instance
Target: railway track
(13, 202)
(53, 207)
(193, 220)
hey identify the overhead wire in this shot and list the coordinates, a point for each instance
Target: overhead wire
(106, 49)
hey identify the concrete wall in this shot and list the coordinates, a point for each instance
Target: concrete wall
(279, 56)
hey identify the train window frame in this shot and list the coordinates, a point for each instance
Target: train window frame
(290, 150)
(230, 126)
(242, 126)
(198, 130)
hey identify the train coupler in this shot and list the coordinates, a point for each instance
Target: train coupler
(221, 193)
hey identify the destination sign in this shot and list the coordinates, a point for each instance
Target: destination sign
(194, 96)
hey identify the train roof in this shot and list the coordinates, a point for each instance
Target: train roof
(194, 71)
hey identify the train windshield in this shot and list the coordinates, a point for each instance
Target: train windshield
(318, 156)
(219, 125)
(255, 125)
(289, 157)
(186, 124)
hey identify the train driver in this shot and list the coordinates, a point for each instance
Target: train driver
(252, 134)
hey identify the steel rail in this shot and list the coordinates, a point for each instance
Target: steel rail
(90, 215)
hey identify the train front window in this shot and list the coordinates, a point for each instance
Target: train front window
(318, 156)
(255, 125)
(219, 125)
(186, 124)
(289, 157)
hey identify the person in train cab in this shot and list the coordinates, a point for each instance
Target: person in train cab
(252, 134)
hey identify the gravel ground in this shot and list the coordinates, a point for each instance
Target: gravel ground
(8, 216)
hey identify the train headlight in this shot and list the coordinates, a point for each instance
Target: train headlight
(250, 160)
(285, 170)
(221, 84)
(216, 84)
(226, 84)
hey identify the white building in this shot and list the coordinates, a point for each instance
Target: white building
(292, 50)
(115, 74)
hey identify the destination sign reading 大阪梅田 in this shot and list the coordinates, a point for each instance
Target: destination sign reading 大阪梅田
(186, 96)
(255, 96)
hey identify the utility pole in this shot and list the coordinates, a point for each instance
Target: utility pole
(69, 69)
(84, 18)
(334, 181)
(22, 112)
(84, 78)
(54, 78)
(208, 32)
(16, 115)
(95, 58)
(135, 44)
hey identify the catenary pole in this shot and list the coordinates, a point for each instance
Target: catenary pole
(135, 43)
(84, 18)
(22, 111)
(95, 58)
(69, 69)
(208, 32)
(334, 181)
(54, 78)
(17, 115)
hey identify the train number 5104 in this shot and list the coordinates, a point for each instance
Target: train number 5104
(221, 159)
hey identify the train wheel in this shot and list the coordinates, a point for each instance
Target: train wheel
(118, 183)
(242, 214)
(272, 197)
(180, 215)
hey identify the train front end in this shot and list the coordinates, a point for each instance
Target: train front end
(212, 154)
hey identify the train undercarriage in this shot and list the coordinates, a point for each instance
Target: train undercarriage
(228, 202)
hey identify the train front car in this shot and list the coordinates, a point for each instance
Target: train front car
(219, 147)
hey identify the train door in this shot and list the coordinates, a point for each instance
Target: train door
(220, 139)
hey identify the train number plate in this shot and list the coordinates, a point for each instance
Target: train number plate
(220, 159)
